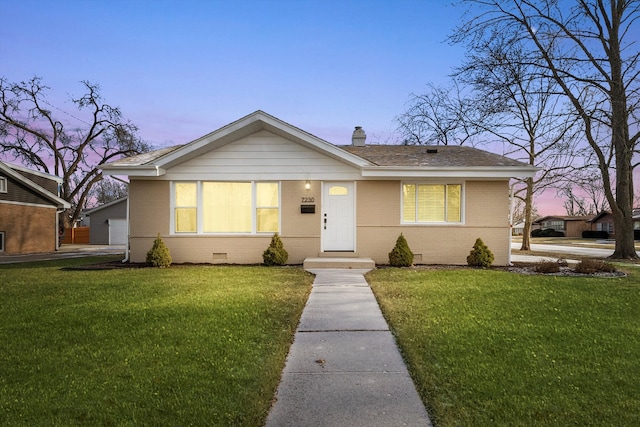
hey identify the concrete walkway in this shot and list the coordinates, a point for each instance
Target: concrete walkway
(344, 368)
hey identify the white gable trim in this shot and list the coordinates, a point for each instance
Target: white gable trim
(252, 123)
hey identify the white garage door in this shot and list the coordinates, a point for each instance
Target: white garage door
(117, 231)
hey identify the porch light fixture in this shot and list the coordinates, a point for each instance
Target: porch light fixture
(307, 185)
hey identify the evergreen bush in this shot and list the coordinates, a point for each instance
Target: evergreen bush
(480, 255)
(401, 255)
(275, 254)
(158, 255)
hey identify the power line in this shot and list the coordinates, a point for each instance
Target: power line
(64, 112)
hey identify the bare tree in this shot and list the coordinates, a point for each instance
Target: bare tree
(588, 48)
(441, 116)
(526, 114)
(105, 191)
(33, 134)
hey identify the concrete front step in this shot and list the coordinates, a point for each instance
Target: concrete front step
(349, 263)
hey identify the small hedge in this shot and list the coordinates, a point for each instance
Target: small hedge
(547, 266)
(593, 234)
(480, 255)
(158, 255)
(401, 255)
(547, 232)
(275, 254)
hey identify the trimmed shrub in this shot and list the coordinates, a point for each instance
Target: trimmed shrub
(547, 266)
(480, 255)
(158, 255)
(593, 234)
(275, 254)
(401, 255)
(590, 266)
(547, 232)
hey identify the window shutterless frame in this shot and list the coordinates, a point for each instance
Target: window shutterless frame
(220, 207)
(432, 203)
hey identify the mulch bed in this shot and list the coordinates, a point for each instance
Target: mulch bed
(517, 267)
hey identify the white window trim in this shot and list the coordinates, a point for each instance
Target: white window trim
(440, 223)
(3, 184)
(2, 241)
(200, 221)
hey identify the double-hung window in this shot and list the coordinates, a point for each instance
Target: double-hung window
(226, 207)
(431, 203)
(3, 184)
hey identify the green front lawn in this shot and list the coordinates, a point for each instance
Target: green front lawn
(493, 348)
(197, 345)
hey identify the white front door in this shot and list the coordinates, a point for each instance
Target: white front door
(338, 217)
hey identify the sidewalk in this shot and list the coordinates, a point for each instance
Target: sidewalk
(344, 368)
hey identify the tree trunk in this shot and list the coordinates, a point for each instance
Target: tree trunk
(528, 209)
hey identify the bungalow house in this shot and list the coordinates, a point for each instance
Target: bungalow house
(571, 226)
(604, 222)
(108, 223)
(29, 208)
(220, 198)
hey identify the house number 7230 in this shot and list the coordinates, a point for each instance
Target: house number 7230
(308, 199)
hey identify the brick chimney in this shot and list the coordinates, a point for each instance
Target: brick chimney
(359, 137)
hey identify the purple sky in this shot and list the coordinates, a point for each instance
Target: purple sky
(181, 69)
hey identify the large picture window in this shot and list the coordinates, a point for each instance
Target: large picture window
(431, 203)
(226, 207)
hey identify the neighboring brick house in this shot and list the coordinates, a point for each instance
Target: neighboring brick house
(29, 208)
(571, 226)
(220, 198)
(604, 222)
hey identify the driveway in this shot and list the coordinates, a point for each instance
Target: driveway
(66, 251)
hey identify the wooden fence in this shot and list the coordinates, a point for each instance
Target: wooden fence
(78, 235)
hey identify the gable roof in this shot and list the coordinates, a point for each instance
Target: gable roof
(371, 160)
(563, 218)
(104, 206)
(54, 199)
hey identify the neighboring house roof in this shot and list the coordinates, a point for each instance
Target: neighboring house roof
(600, 215)
(104, 206)
(635, 212)
(562, 218)
(8, 169)
(372, 160)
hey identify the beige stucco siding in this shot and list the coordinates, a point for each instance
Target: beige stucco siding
(379, 215)
(150, 215)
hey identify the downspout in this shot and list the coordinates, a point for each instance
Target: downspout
(510, 223)
(126, 249)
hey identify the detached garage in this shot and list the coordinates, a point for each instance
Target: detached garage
(109, 223)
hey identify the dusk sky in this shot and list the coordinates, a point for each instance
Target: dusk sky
(181, 69)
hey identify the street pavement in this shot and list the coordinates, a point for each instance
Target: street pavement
(576, 251)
